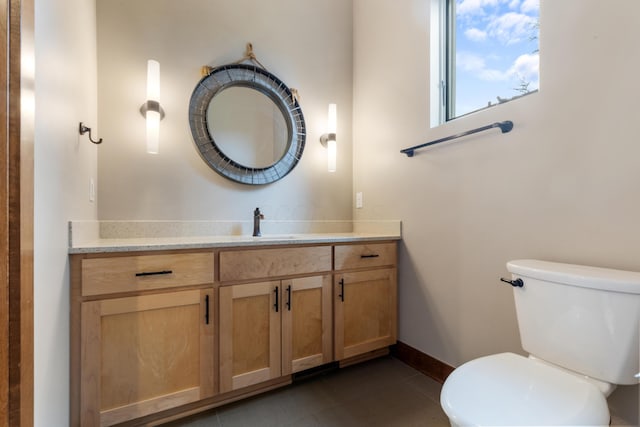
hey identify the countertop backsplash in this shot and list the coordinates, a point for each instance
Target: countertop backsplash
(111, 236)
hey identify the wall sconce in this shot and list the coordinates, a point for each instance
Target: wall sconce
(151, 109)
(328, 140)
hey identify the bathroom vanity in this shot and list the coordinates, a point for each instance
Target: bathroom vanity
(160, 334)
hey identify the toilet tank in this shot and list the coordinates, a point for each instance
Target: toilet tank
(585, 319)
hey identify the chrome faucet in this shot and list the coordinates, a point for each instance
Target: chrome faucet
(257, 216)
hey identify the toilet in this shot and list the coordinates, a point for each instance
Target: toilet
(580, 326)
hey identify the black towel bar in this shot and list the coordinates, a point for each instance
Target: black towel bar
(505, 127)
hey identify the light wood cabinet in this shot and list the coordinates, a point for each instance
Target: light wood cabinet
(144, 354)
(158, 335)
(253, 264)
(365, 299)
(364, 256)
(365, 312)
(249, 334)
(269, 329)
(142, 334)
(307, 323)
(102, 276)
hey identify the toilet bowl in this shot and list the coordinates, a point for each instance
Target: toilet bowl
(511, 390)
(580, 326)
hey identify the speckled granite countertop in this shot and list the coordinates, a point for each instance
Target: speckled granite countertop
(135, 236)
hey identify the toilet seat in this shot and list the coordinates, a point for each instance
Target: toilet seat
(511, 390)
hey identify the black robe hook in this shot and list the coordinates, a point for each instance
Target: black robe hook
(83, 129)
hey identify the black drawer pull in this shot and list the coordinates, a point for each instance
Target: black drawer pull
(289, 297)
(276, 305)
(341, 294)
(206, 309)
(370, 256)
(154, 273)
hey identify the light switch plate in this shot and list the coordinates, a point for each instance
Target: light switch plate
(92, 190)
(359, 200)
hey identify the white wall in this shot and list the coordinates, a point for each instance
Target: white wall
(65, 94)
(307, 44)
(564, 185)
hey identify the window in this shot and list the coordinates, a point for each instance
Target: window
(484, 52)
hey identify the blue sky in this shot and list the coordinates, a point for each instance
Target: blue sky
(494, 50)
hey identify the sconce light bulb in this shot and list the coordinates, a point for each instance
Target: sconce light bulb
(332, 122)
(153, 115)
(153, 132)
(153, 80)
(331, 155)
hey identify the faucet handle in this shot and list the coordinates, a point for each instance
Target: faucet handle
(257, 216)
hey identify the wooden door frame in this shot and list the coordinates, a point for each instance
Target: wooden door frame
(16, 226)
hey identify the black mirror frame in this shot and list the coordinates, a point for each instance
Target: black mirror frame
(257, 78)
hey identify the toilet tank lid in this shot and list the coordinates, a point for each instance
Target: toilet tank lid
(577, 275)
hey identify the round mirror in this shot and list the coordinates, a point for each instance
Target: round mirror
(246, 124)
(247, 127)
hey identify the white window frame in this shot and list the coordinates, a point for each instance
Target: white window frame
(438, 64)
(443, 67)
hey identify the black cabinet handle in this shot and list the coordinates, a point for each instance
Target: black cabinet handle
(206, 309)
(289, 298)
(518, 283)
(276, 306)
(370, 256)
(154, 273)
(341, 294)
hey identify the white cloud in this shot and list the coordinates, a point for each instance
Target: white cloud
(511, 27)
(476, 35)
(473, 7)
(476, 64)
(469, 61)
(491, 75)
(530, 6)
(477, 7)
(526, 67)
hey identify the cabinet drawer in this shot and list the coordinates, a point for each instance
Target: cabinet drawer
(362, 256)
(138, 273)
(263, 263)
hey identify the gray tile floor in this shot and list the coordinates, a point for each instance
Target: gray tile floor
(382, 392)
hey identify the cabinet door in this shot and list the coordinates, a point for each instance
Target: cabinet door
(249, 334)
(145, 354)
(306, 323)
(365, 311)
